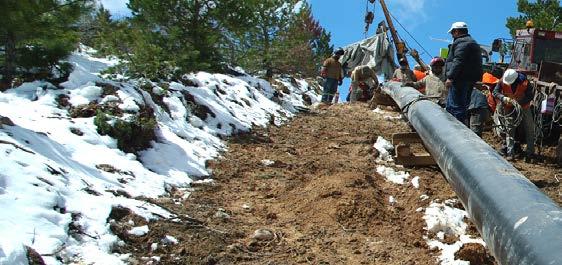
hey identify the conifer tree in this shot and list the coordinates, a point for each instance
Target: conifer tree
(545, 14)
(303, 46)
(269, 18)
(169, 37)
(35, 35)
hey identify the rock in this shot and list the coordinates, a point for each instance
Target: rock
(246, 207)
(263, 235)
(5, 121)
(222, 214)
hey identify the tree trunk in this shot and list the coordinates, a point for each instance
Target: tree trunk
(267, 53)
(9, 61)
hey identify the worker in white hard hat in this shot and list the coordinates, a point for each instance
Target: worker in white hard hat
(463, 70)
(512, 91)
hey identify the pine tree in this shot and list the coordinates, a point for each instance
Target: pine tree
(545, 14)
(36, 35)
(94, 26)
(303, 46)
(166, 38)
(294, 52)
(257, 45)
(320, 41)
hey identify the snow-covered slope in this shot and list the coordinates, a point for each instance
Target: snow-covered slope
(59, 178)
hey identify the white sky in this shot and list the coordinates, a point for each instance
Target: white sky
(117, 7)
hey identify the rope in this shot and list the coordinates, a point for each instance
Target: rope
(515, 113)
(426, 52)
(404, 109)
(556, 112)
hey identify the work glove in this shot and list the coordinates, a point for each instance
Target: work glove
(507, 100)
(340, 82)
(323, 72)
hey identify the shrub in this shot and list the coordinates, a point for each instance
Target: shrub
(132, 135)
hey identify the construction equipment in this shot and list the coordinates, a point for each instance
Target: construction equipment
(399, 44)
(380, 98)
(538, 54)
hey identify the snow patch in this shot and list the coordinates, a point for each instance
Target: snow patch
(416, 182)
(398, 177)
(383, 146)
(59, 171)
(444, 220)
(139, 230)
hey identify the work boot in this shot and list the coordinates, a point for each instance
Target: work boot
(531, 158)
(503, 151)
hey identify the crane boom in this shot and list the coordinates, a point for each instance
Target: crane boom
(400, 46)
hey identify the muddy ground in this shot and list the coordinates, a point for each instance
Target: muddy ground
(307, 193)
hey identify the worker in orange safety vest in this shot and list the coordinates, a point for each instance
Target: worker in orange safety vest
(514, 89)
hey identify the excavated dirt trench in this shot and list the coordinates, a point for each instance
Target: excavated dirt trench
(307, 193)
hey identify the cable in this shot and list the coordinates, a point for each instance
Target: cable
(514, 115)
(556, 112)
(428, 54)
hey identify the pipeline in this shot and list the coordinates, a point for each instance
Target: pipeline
(518, 222)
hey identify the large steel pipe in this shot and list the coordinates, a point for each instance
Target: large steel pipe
(518, 222)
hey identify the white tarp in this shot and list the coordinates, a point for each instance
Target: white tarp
(375, 51)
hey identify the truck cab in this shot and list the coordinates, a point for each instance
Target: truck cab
(538, 53)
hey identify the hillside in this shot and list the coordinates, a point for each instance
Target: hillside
(219, 169)
(63, 175)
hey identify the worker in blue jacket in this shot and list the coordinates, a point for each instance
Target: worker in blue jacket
(463, 70)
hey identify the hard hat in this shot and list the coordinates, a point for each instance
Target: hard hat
(458, 25)
(437, 61)
(529, 24)
(488, 78)
(509, 76)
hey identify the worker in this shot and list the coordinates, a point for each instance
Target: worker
(464, 69)
(479, 108)
(489, 81)
(514, 89)
(363, 82)
(435, 87)
(420, 73)
(332, 73)
(404, 74)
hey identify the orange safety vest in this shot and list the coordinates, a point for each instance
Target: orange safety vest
(419, 76)
(519, 92)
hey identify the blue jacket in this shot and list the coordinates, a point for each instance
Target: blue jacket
(464, 62)
(477, 100)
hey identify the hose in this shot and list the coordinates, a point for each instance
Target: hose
(515, 114)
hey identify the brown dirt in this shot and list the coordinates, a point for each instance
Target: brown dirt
(320, 202)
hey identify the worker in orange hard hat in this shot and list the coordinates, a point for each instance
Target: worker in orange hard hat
(479, 109)
(489, 81)
(419, 73)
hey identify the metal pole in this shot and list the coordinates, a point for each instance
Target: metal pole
(397, 42)
(518, 222)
